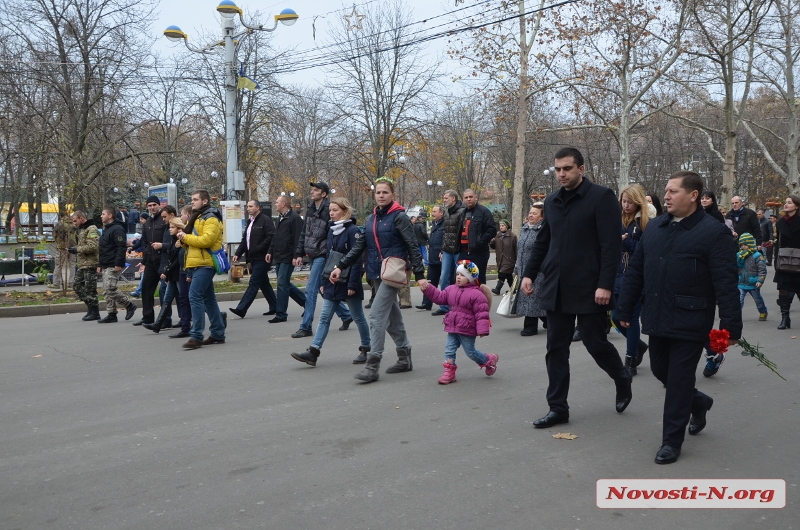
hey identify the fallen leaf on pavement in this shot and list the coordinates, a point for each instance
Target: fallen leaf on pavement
(565, 436)
(35, 356)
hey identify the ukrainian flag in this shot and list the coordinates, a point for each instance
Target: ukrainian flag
(246, 82)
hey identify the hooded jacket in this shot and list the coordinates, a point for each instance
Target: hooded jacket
(392, 229)
(469, 309)
(205, 235)
(113, 244)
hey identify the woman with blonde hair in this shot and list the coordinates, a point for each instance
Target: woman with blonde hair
(342, 236)
(633, 202)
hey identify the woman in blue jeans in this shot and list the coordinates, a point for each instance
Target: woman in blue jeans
(633, 203)
(341, 238)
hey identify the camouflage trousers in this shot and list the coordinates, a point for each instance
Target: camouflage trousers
(114, 297)
(85, 286)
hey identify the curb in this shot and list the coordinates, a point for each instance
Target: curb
(64, 309)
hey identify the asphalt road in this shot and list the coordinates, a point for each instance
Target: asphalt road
(115, 427)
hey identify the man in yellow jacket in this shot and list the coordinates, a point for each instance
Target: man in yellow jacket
(203, 234)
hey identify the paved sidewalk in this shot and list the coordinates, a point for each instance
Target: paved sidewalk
(116, 427)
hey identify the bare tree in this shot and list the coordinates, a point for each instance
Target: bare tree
(380, 81)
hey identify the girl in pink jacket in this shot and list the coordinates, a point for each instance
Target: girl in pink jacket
(468, 318)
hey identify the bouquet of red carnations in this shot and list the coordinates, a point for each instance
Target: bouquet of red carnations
(718, 342)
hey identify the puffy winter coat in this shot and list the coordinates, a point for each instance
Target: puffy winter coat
(451, 241)
(469, 309)
(88, 245)
(205, 236)
(752, 269)
(343, 243)
(685, 269)
(313, 238)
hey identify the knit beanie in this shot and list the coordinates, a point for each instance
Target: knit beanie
(154, 199)
(505, 222)
(747, 239)
(469, 270)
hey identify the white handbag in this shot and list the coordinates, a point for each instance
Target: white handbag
(506, 306)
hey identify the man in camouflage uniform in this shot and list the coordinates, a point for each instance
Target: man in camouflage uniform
(64, 235)
(85, 284)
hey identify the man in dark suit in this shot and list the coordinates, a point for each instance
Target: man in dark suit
(685, 265)
(578, 250)
(281, 254)
(255, 242)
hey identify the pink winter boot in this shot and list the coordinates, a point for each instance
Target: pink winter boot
(491, 363)
(449, 375)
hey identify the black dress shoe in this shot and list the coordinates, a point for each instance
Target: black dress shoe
(529, 332)
(698, 421)
(405, 306)
(300, 333)
(180, 335)
(552, 418)
(269, 313)
(237, 312)
(576, 336)
(667, 455)
(345, 324)
(624, 395)
(276, 320)
(141, 323)
(438, 313)
(642, 349)
(423, 307)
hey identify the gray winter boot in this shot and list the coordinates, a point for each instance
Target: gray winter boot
(362, 356)
(309, 356)
(403, 363)
(370, 371)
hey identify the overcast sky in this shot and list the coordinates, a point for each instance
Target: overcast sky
(195, 17)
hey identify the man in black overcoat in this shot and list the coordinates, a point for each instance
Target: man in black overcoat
(685, 265)
(578, 250)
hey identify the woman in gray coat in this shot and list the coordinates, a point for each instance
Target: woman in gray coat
(529, 306)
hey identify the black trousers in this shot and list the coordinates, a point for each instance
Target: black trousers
(674, 363)
(259, 280)
(150, 281)
(434, 273)
(481, 260)
(560, 327)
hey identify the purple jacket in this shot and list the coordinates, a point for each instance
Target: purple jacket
(469, 309)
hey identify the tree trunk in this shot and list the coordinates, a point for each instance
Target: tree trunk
(519, 201)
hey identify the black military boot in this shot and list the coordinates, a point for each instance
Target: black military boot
(309, 356)
(92, 314)
(362, 355)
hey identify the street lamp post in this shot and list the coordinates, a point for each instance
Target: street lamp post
(234, 181)
(551, 172)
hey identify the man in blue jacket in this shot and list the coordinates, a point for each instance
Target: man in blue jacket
(685, 265)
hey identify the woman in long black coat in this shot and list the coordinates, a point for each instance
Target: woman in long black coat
(788, 236)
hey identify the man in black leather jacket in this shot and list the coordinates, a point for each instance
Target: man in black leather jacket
(477, 229)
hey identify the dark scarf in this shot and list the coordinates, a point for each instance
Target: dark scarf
(190, 225)
(789, 218)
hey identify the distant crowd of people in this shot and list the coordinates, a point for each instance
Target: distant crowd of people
(583, 260)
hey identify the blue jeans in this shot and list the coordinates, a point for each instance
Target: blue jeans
(286, 290)
(756, 294)
(259, 279)
(424, 251)
(449, 261)
(454, 340)
(312, 290)
(204, 302)
(326, 315)
(632, 334)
